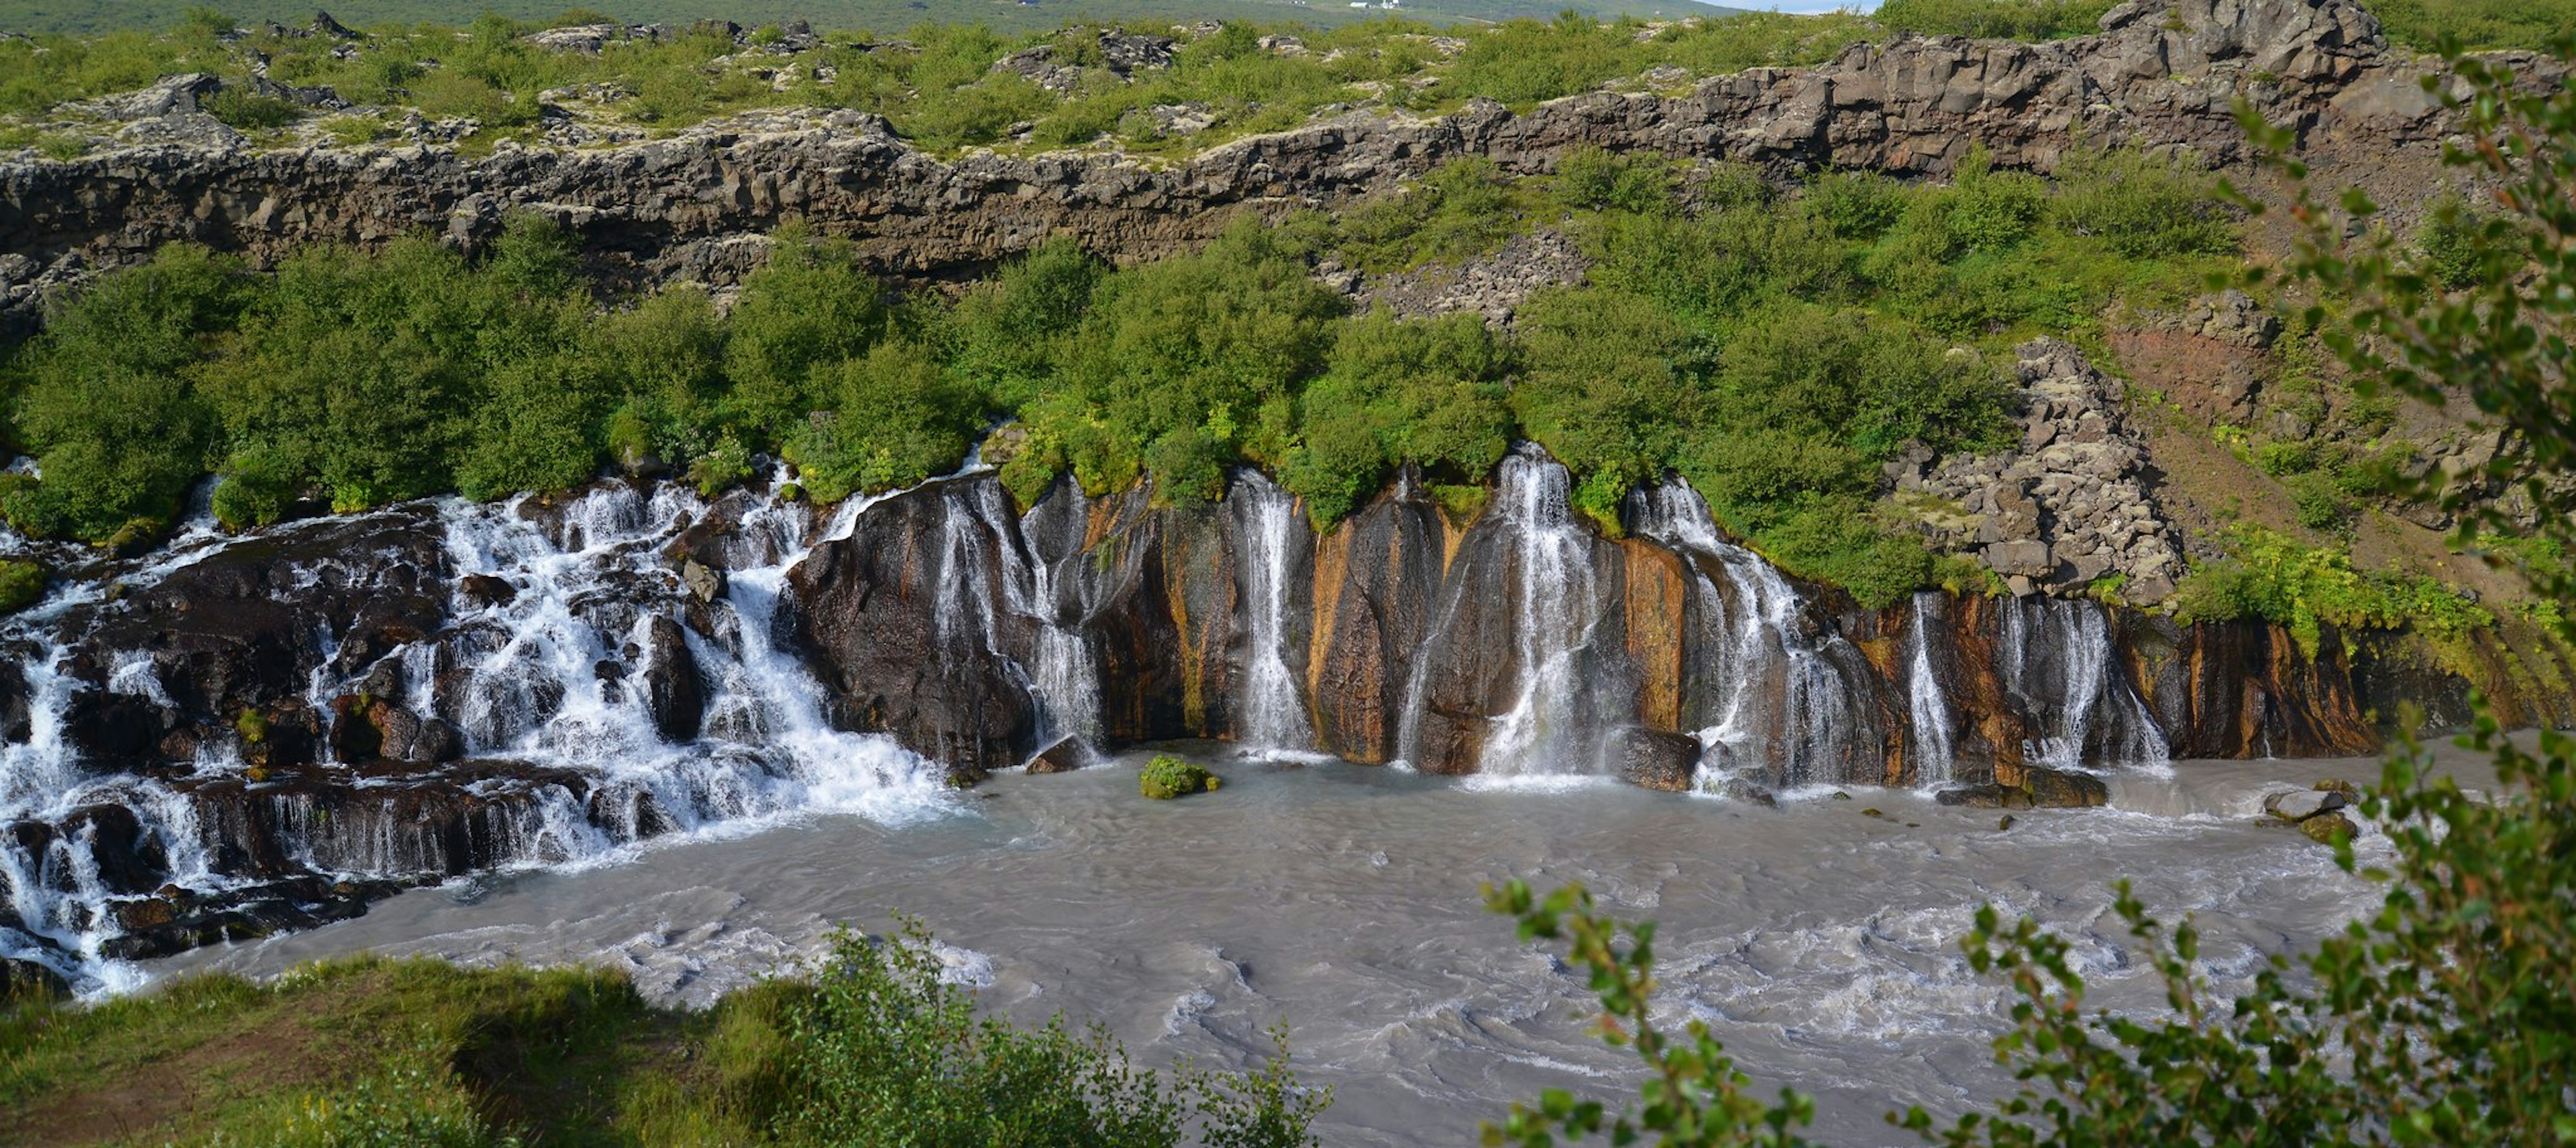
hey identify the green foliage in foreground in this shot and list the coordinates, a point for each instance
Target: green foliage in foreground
(872, 1048)
(1167, 777)
(2447, 1017)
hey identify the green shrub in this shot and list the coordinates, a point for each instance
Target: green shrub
(1598, 180)
(1167, 777)
(1854, 205)
(723, 465)
(245, 110)
(898, 418)
(2450, 242)
(108, 409)
(22, 584)
(2320, 505)
(1459, 210)
(2270, 577)
(2285, 457)
(884, 1049)
(810, 306)
(2143, 206)
(1995, 19)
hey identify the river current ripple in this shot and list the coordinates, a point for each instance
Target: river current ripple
(1820, 942)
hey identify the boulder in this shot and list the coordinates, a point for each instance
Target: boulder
(2302, 804)
(1654, 759)
(2064, 789)
(674, 688)
(23, 980)
(2328, 828)
(1065, 756)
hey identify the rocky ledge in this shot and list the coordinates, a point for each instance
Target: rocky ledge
(695, 205)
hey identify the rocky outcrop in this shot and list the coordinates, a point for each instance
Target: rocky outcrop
(2163, 73)
(908, 621)
(2073, 504)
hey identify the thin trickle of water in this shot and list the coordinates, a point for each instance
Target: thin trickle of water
(1926, 708)
(1274, 712)
(2057, 658)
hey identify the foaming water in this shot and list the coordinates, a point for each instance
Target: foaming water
(1819, 940)
(551, 676)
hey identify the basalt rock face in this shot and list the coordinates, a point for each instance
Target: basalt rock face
(2163, 72)
(235, 736)
(910, 623)
(1521, 640)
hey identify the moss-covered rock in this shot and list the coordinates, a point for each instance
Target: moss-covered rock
(1167, 777)
(21, 584)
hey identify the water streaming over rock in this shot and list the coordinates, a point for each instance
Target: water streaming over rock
(1526, 663)
(578, 697)
(1778, 696)
(1927, 708)
(1273, 705)
(2058, 661)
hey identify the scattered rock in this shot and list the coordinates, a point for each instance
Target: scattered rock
(2004, 822)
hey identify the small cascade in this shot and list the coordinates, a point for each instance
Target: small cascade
(1554, 613)
(2058, 661)
(1776, 702)
(1926, 708)
(1273, 708)
(1050, 593)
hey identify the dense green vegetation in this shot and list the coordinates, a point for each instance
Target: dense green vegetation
(872, 1047)
(1772, 345)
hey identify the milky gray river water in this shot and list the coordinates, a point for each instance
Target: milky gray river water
(1819, 941)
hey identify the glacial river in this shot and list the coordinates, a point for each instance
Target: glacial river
(1820, 941)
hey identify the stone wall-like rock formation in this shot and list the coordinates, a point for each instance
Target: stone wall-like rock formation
(2163, 73)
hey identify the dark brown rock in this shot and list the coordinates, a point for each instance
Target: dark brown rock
(1653, 759)
(2064, 789)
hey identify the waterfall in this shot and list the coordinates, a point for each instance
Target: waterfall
(2058, 660)
(565, 758)
(1554, 612)
(1926, 708)
(1063, 673)
(1775, 702)
(1273, 711)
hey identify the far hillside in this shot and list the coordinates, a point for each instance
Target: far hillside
(32, 16)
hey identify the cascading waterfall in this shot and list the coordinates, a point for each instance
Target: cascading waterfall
(2057, 658)
(1765, 647)
(547, 680)
(1927, 710)
(1555, 611)
(1274, 711)
(1062, 672)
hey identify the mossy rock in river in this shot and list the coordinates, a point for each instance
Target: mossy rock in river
(1167, 777)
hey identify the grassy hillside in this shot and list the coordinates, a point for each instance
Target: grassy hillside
(96, 16)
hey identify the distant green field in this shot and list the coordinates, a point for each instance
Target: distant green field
(93, 16)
